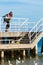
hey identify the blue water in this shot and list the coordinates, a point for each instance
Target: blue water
(40, 45)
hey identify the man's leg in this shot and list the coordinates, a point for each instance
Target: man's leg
(7, 27)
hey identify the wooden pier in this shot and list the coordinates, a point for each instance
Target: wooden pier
(14, 46)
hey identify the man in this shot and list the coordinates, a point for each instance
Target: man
(7, 19)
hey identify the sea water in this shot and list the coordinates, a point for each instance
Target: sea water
(26, 61)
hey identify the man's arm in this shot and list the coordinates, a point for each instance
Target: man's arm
(5, 15)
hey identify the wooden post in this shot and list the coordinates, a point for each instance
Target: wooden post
(36, 49)
(2, 54)
(12, 54)
(24, 53)
(2, 62)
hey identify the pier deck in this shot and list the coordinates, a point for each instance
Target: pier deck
(21, 46)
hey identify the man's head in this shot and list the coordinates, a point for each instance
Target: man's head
(11, 14)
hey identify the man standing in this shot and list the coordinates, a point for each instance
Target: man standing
(7, 19)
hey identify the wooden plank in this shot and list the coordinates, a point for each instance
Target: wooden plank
(15, 46)
(9, 34)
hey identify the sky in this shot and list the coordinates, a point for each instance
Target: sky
(32, 9)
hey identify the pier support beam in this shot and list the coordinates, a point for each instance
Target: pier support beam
(2, 54)
(24, 53)
(12, 54)
(2, 62)
(36, 49)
